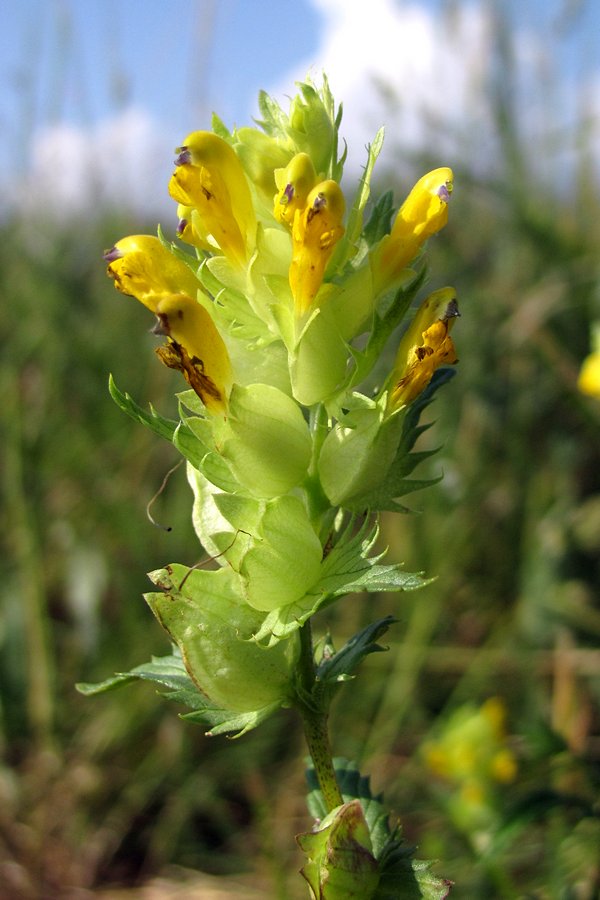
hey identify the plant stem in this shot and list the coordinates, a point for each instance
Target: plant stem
(314, 718)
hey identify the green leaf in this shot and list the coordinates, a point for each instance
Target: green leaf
(384, 323)
(346, 247)
(380, 220)
(166, 670)
(404, 878)
(341, 665)
(170, 672)
(219, 128)
(347, 568)
(158, 424)
(178, 433)
(274, 121)
(226, 722)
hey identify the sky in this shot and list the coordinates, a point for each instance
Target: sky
(95, 94)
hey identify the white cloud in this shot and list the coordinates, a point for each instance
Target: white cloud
(416, 71)
(122, 161)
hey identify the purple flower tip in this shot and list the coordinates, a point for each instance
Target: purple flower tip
(288, 193)
(181, 226)
(320, 201)
(183, 156)
(112, 254)
(443, 193)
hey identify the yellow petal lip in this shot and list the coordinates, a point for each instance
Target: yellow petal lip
(316, 230)
(209, 179)
(295, 183)
(142, 267)
(425, 210)
(196, 348)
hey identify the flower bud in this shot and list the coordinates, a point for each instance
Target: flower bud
(422, 214)
(311, 126)
(260, 155)
(204, 615)
(209, 178)
(340, 863)
(265, 440)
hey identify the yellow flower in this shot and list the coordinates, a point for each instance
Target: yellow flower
(588, 381)
(425, 346)
(209, 178)
(422, 214)
(294, 183)
(195, 348)
(142, 267)
(503, 766)
(315, 231)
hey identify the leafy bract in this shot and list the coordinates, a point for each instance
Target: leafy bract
(169, 671)
(401, 876)
(348, 568)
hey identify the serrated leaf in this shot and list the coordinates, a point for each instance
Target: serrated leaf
(404, 878)
(346, 660)
(169, 671)
(384, 323)
(380, 220)
(178, 433)
(395, 484)
(158, 424)
(219, 128)
(226, 722)
(346, 247)
(347, 569)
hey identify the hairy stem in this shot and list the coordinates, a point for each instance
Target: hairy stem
(314, 718)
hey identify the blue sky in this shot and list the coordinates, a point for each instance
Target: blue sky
(79, 75)
(81, 61)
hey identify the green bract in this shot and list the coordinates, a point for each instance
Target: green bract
(276, 299)
(341, 865)
(206, 617)
(265, 440)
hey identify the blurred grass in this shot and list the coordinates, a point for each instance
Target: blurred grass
(115, 790)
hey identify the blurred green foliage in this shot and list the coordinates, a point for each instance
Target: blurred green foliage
(115, 789)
